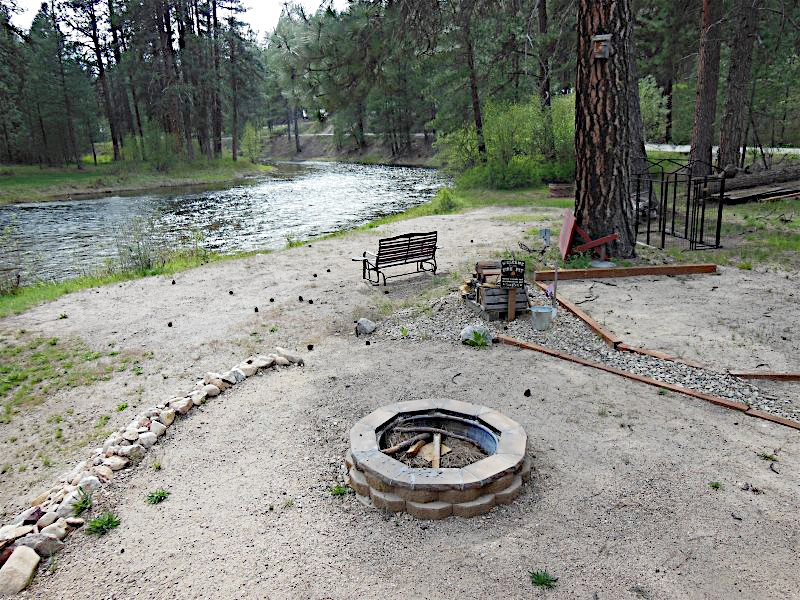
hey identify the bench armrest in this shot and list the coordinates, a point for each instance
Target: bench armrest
(364, 257)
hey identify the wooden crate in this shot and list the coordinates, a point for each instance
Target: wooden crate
(492, 303)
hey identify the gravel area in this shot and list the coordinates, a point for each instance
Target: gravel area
(445, 317)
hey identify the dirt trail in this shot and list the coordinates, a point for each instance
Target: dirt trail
(620, 505)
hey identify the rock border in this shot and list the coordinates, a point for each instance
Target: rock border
(470, 491)
(39, 531)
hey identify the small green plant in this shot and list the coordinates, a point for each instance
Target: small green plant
(59, 433)
(582, 260)
(340, 490)
(273, 329)
(52, 341)
(46, 462)
(103, 524)
(138, 370)
(289, 503)
(478, 340)
(84, 502)
(158, 496)
(543, 579)
(403, 332)
(293, 242)
(767, 456)
(102, 421)
(122, 406)
(603, 413)
(63, 316)
(715, 485)
(662, 392)
(746, 266)
(157, 464)
(5, 469)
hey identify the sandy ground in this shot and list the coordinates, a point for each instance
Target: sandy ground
(619, 507)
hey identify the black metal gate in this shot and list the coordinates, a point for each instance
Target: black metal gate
(674, 205)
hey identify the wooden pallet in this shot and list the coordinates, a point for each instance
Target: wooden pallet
(492, 303)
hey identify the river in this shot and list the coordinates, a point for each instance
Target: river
(61, 239)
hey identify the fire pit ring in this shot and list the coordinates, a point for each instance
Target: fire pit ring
(429, 493)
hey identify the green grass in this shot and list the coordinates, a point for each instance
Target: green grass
(83, 503)
(27, 297)
(715, 485)
(33, 368)
(158, 496)
(103, 524)
(122, 406)
(30, 183)
(542, 579)
(768, 456)
(340, 490)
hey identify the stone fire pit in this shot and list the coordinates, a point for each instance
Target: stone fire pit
(429, 493)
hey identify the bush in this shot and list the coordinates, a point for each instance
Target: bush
(654, 109)
(445, 202)
(525, 144)
(251, 142)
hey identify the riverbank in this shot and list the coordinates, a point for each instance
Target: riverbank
(620, 480)
(30, 183)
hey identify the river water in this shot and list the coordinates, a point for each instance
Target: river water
(66, 238)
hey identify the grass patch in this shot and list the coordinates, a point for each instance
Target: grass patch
(30, 183)
(103, 524)
(715, 485)
(158, 496)
(542, 579)
(768, 456)
(84, 502)
(33, 367)
(340, 490)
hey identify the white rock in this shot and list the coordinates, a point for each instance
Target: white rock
(90, 484)
(209, 377)
(148, 439)
(158, 428)
(16, 574)
(12, 532)
(469, 332)
(67, 507)
(262, 362)
(167, 416)
(116, 463)
(103, 472)
(56, 530)
(292, 357)
(248, 369)
(132, 433)
(365, 327)
(282, 361)
(182, 406)
(211, 390)
(133, 453)
(198, 398)
(238, 375)
(48, 518)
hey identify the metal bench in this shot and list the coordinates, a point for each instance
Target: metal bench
(407, 249)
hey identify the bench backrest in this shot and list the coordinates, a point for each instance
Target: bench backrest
(406, 248)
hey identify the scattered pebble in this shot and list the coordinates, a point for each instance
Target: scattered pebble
(256, 309)
(300, 298)
(272, 299)
(173, 282)
(311, 302)
(527, 393)
(230, 292)
(169, 324)
(310, 347)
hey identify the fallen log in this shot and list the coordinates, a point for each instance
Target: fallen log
(412, 452)
(423, 437)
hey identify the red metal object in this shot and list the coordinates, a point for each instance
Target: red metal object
(568, 233)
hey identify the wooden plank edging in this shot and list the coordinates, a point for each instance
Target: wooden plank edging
(717, 400)
(610, 338)
(765, 375)
(693, 269)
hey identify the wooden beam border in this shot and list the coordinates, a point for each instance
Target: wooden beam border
(717, 400)
(568, 274)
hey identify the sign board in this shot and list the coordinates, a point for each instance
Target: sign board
(512, 273)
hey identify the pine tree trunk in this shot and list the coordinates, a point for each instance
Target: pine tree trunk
(473, 89)
(705, 110)
(216, 102)
(602, 131)
(668, 116)
(741, 61)
(73, 145)
(234, 102)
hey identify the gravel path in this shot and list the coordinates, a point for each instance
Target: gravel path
(447, 316)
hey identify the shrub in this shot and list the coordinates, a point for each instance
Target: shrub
(654, 109)
(103, 524)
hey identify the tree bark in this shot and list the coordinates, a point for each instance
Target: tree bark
(602, 124)
(73, 145)
(216, 101)
(473, 89)
(741, 61)
(705, 109)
